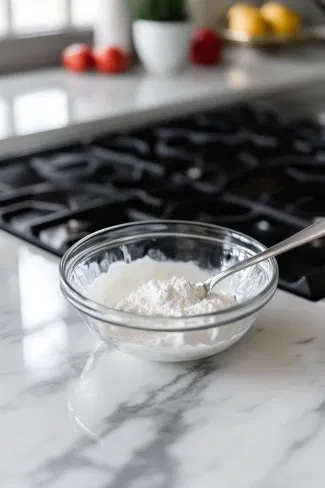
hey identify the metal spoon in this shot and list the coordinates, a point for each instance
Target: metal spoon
(311, 232)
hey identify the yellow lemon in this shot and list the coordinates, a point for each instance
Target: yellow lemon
(247, 19)
(280, 19)
(242, 8)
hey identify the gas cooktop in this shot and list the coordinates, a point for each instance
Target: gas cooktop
(248, 167)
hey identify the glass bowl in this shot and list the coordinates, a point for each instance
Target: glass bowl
(211, 247)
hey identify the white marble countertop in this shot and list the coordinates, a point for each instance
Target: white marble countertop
(41, 108)
(74, 414)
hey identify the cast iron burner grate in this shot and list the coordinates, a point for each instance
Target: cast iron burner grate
(247, 167)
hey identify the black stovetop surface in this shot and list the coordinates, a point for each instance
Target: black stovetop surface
(249, 168)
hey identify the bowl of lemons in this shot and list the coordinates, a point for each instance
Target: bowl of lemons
(271, 24)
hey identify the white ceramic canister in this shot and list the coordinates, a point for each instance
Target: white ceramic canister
(113, 24)
(162, 47)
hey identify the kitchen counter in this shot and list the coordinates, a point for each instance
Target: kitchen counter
(39, 109)
(74, 413)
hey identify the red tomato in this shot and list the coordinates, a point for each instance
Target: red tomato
(111, 60)
(77, 57)
(206, 47)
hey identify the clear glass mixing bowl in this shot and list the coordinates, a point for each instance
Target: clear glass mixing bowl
(211, 247)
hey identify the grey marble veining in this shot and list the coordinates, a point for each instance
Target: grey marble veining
(76, 413)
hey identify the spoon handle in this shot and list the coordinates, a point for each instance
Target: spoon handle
(308, 234)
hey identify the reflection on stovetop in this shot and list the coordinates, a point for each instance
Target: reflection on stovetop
(249, 168)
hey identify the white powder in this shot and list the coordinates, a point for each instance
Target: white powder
(175, 297)
(148, 287)
(115, 287)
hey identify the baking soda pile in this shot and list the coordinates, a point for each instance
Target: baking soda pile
(175, 297)
(148, 287)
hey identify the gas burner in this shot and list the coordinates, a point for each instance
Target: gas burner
(76, 226)
(177, 152)
(113, 158)
(311, 172)
(66, 167)
(61, 197)
(138, 144)
(228, 214)
(15, 174)
(249, 168)
(257, 183)
(211, 179)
